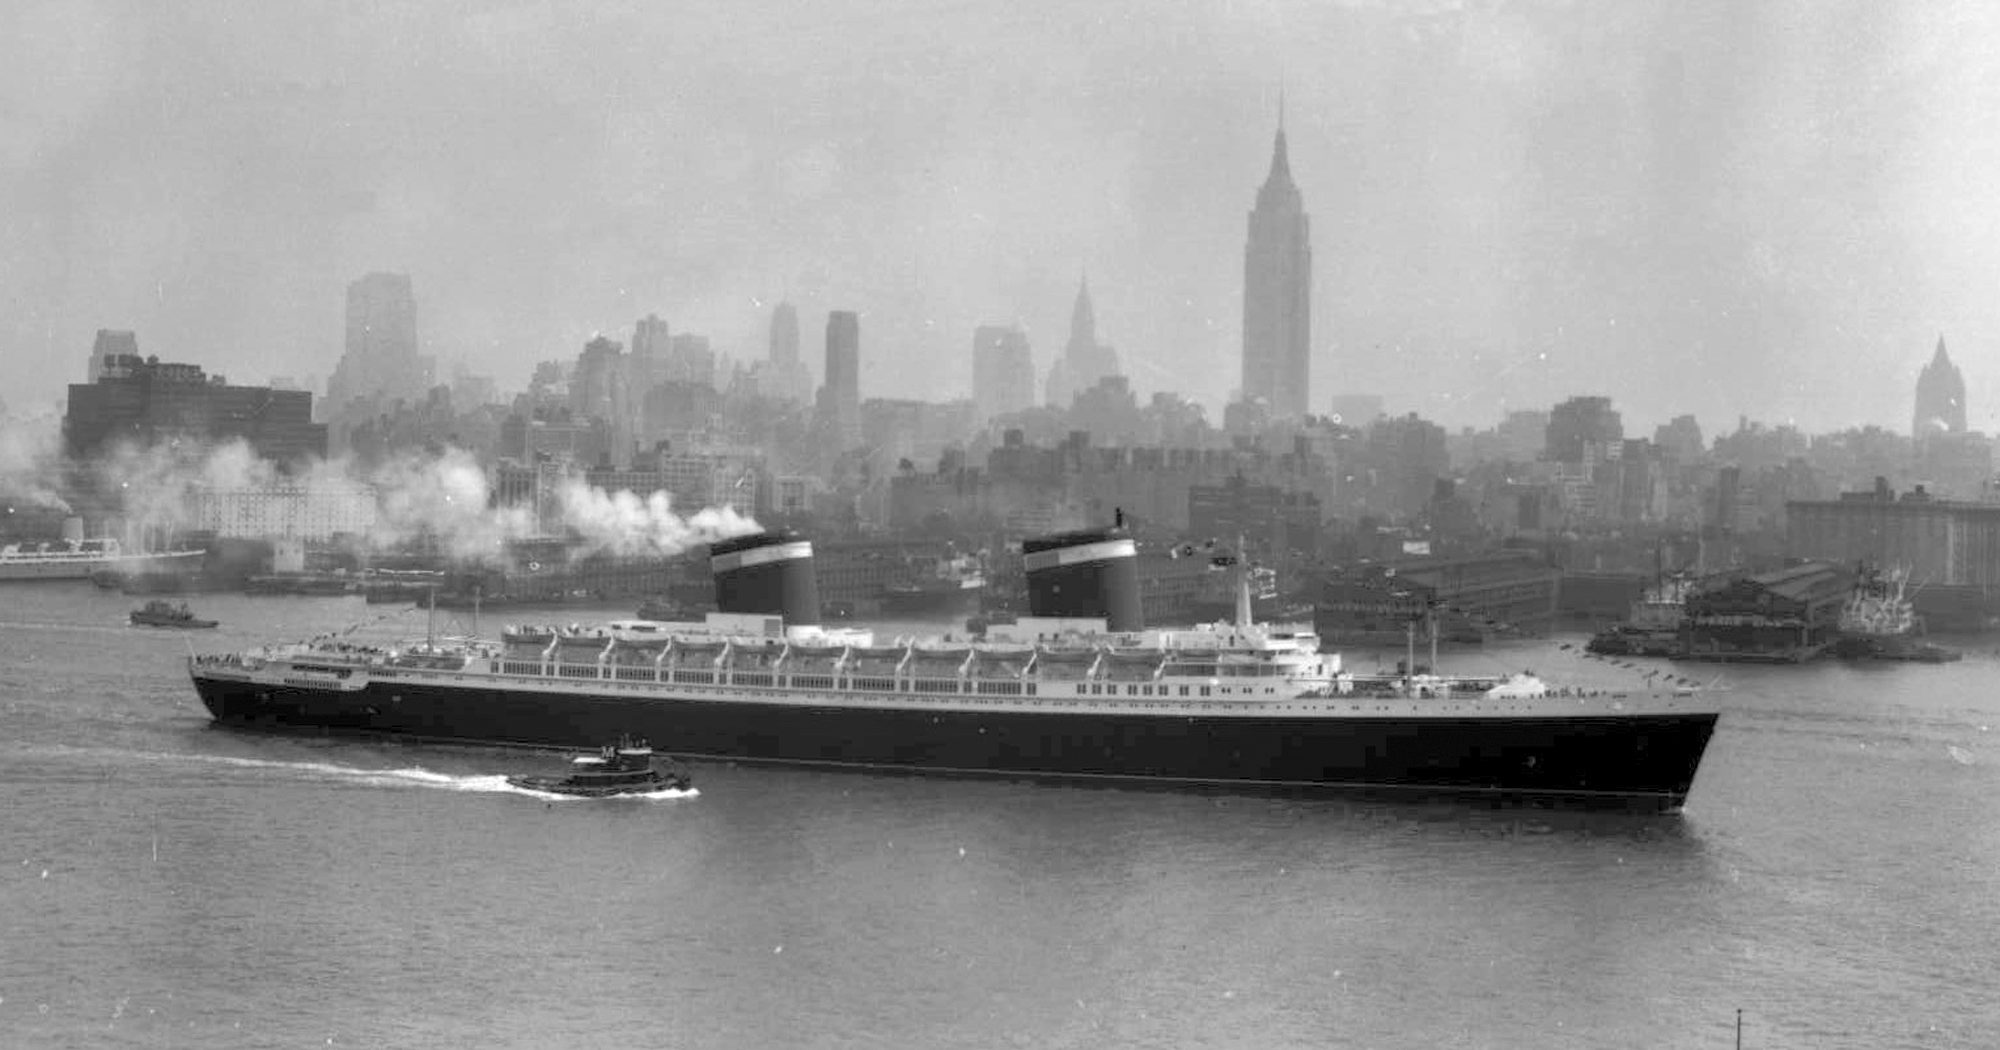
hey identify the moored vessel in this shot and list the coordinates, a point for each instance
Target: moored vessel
(624, 768)
(1078, 690)
(954, 586)
(1880, 622)
(1652, 626)
(79, 559)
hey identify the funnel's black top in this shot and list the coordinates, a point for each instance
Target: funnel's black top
(1059, 540)
(766, 573)
(738, 544)
(1087, 573)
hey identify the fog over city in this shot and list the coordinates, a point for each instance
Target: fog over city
(1770, 211)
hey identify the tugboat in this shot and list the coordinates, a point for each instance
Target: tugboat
(158, 613)
(1654, 626)
(624, 768)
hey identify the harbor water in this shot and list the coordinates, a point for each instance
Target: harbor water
(166, 883)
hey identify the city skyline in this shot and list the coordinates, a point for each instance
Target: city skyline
(1691, 192)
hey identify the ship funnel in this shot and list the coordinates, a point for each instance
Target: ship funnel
(767, 574)
(1088, 573)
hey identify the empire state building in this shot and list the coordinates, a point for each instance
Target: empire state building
(1277, 293)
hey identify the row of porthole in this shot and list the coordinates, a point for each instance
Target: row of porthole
(982, 700)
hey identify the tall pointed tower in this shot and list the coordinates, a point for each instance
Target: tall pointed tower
(1277, 291)
(1084, 360)
(1082, 320)
(1940, 397)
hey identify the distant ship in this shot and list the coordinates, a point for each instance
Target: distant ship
(1653, 627)
(665, 609)
(953, 587)
(79, 559)
(1880, 622)
(1075, 691)
(159, 613)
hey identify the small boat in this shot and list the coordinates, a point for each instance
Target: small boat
(624, 768)
(158, 613)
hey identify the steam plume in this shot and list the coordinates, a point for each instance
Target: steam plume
(30, 458)
(445, 497)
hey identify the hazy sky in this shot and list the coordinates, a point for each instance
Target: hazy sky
(1724, 208)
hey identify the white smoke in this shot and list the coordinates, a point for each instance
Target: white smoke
(624, 523)
(445, 498)
(31, 462)
(450, 497)
(155, 485)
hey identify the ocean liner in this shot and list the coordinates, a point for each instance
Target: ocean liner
(1076, 691)
(78, 559)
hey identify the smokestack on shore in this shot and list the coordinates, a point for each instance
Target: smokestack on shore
(767, 574)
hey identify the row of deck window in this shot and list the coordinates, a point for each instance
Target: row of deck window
(643, 671)
(799, 681)
(749, 679)
(1096, 689)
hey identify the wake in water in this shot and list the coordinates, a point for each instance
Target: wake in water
(420, 777)
(413, 777)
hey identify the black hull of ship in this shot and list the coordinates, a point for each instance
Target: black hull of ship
(1634, 642)
(1636, 762)
(1902, 648)
(563, 786)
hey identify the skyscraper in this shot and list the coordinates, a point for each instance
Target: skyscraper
(1583, 429)
(1940, 398)
(652, 343)
(1084, 360)
(110, 343)
(1003, 370)
(381, 361)
(785, 334)
(691, 360)
(840, 398)
(597, 387)
(1277, 293)
(783, 376)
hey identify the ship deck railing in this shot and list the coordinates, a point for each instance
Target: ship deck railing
(969, 683)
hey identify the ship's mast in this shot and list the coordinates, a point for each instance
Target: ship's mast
(1431, 622)
(1409, 653)
(1242, 585)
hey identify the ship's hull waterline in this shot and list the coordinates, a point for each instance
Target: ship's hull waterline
(1643, 762)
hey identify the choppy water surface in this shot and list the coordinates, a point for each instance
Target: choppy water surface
(164, 883)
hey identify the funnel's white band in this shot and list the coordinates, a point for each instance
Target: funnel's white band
(1104, 550)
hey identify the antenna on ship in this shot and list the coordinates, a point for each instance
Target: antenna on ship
(430, 617)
